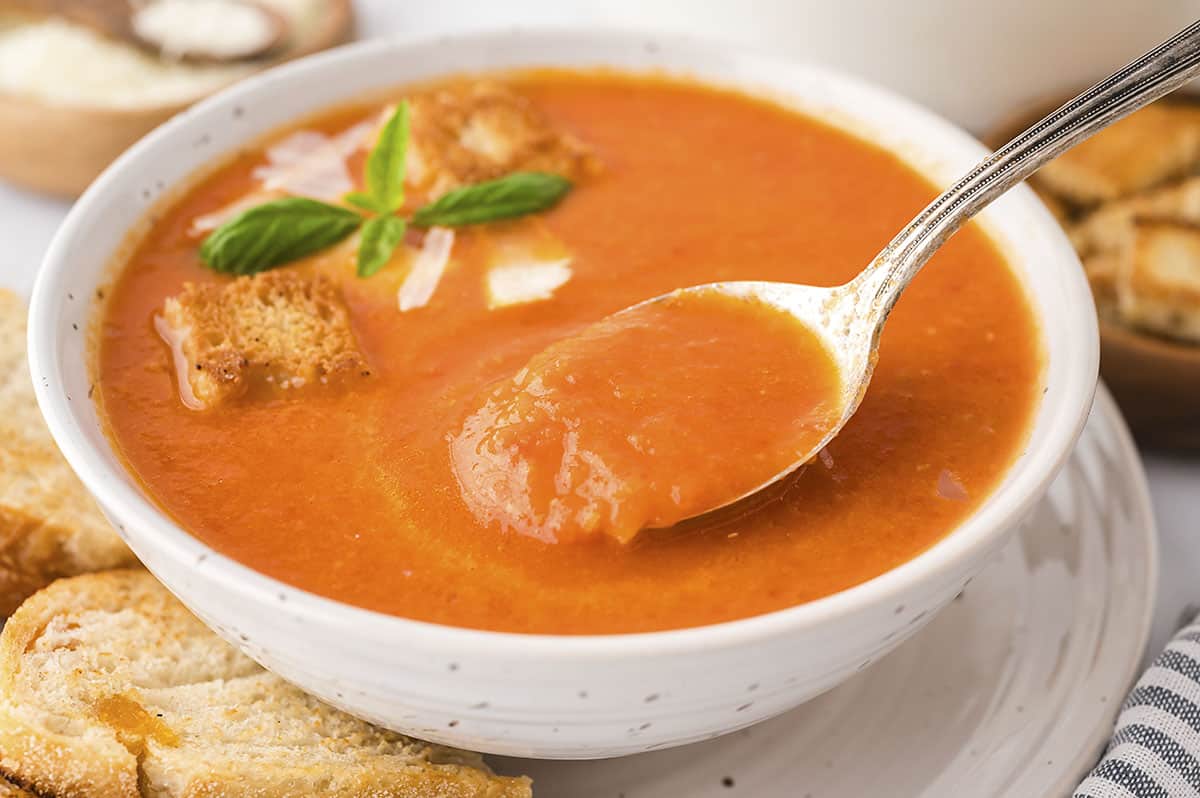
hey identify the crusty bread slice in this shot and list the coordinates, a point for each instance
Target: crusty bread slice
(49, 525)
(10, 790)
(1110, 227)
(110, 688)
(1158, 284)
(1161, 142)
(278, 330)
(1142, 257)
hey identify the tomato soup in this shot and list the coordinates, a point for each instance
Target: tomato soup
(353, 489)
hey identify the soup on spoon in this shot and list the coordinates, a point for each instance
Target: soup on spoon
(589, 438)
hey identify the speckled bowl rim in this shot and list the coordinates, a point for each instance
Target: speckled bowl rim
(1051, 439)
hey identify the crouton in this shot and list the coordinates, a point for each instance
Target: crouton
(1110, 227)
(278, 330)
(1106, 230)
(1161, 142)
(483, 130)
(1142, 261)
(1145, 271)
(10, 790)
(1158, 282)
(49, 524)
(110, 688)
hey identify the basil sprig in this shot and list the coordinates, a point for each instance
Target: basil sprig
(384, 194)
(284, 230)
(517, 194)
(276, 233)
(380, 237)
(386, 167)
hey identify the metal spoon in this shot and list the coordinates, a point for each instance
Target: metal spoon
(850, 317)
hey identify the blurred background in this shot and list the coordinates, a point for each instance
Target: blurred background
(81, 79)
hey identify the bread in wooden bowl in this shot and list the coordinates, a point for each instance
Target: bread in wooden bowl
(49, 525)
(1130, 200)
(10, 790)
(71, 101)
(110, 688)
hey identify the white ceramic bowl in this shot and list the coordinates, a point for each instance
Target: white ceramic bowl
(529, 695)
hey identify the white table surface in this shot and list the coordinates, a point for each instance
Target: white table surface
(861, 36)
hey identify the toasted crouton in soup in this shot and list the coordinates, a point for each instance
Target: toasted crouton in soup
(483, 130)
(49, 524)
(280, 330)
(110, 688)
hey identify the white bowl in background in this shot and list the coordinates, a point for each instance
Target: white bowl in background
(980, 64)
(541, 695)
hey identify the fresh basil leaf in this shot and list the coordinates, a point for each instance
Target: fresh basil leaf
(514, 195)
(275, 233)
(380, 237)
(361, 199)
(385, 164)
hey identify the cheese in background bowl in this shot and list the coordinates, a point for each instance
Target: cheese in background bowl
(71, 100)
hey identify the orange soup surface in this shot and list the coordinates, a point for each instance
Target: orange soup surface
(396, 491)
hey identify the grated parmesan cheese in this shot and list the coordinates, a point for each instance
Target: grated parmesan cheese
(530, 281)
(304, 164)
(427, 269)
(175, 338)
(223, 29)
(66, 64)
(311, 164)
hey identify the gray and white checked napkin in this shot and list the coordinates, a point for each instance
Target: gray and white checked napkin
(1155, 749)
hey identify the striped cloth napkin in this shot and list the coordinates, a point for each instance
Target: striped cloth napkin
(1155, 749)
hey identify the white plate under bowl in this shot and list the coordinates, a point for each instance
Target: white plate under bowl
(1009, 693)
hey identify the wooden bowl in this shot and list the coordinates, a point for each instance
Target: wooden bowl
(59, 149)
(1156, 382)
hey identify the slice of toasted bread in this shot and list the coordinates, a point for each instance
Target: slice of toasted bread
(1104, 231)
(1142, 258)
(280, 330)
(49, 525)
(110, 688)
(10, 790)
(1110, 226)
(1158, 283)
(1161, 142)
